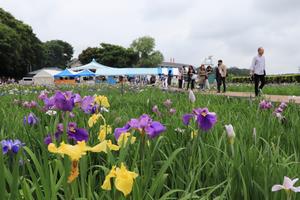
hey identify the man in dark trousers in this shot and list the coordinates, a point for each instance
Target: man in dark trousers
(258, 71)
(221, 73)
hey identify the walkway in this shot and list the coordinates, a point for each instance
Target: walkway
(273, 98)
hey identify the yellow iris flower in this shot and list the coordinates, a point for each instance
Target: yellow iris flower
(75, 152)
(93, 119)
(123, 179)
(102, 101)
(104, 130)
(194, 134)
(122, 140)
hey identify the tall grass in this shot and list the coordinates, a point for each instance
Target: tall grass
(172, 166)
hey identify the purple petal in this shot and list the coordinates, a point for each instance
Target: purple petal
(119, 131)
(186, 118)
(155, 129)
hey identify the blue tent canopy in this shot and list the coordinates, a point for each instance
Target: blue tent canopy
(65, 73)
(86, 73)
(102, 70)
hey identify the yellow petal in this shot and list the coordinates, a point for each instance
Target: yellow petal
(73, 151)
(106, 184)
(112, 146)
(52, 148)
(102, 135)
(104, 130)
(124, 138)
(99, 147)
(124, 180)
(93, 120)
(194, 134)
(102, 101)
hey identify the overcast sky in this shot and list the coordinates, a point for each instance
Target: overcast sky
(188, 30)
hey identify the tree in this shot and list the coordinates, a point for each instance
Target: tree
(110, 55)
(116, 56)
(144, 47)
(57, 53)
(20, 49)
(238, 72)
(88, 54)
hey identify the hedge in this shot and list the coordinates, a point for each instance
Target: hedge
(277, 79)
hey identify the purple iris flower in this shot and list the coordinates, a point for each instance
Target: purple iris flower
(49, 103)
(283, 105)
(77, 98)
(11, 146)
(77, 134)
(265, 105)
(64, 101)
(144, 121)
(186, 119)
(87, 104)
(172, 111)
(31, 119)
(30, 104)
(154, 129)
(155, 110)
(206, 120)
(43, 95)
(71, 115)
(168, 103)
(119, 131)
(278, 110)
(57, 134)
(144, 124)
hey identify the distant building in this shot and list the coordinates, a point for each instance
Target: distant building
(172, 65)
(33, 73)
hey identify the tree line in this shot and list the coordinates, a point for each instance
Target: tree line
(141, 53)
(22, 51)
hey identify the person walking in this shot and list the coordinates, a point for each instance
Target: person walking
(221, 73)
(191, 77)
(180, 78)
(170, 76)
(202, 76)
(258, 71)
(208, 72)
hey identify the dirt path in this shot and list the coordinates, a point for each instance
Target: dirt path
(273, 98)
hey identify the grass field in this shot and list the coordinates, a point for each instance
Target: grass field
(171, 166)
(273, 89)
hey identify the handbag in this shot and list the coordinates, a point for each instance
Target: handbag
(194, 76)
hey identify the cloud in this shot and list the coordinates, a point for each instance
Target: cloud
(187, 30)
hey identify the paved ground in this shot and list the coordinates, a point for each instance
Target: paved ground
(273, 98)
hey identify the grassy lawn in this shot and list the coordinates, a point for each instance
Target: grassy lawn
(275, 89)
(170, 166)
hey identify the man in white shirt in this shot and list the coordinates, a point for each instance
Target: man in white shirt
(258, 71)
(221, 74)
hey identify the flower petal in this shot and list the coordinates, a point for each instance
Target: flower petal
(277, 188)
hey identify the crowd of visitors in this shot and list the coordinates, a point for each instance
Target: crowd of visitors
(190, 77)
(4, 80)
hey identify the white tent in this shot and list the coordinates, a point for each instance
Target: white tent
(45, 77)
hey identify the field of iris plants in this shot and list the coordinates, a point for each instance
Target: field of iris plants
(143, 143)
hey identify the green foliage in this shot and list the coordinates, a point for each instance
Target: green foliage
(110, 55)
(57, 53)
(88, 55)
(172, 166)
(277, 79)
(272, 89)
(20, 49)
(148, 57)
(234, 71)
